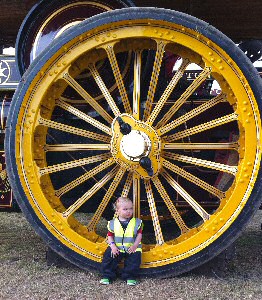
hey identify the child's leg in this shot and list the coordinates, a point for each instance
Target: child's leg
(109, 264)
(131, 265)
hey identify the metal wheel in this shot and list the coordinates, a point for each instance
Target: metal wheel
(189, 159)
(48, 19)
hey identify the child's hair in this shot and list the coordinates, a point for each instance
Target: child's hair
(120, 200)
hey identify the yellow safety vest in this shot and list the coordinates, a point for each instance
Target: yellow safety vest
(125, 238)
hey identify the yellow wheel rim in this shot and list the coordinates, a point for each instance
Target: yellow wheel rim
(169, 147)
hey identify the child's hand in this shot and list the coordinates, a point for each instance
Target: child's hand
(132, 249)
(114, 251)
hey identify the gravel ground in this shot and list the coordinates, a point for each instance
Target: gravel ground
(25, 274)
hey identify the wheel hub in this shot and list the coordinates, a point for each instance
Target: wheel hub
(140, 143)
(135, 145)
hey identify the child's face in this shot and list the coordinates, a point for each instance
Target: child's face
(125, 210)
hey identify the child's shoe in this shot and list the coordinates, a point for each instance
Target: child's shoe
(131, 282)
(105, 281)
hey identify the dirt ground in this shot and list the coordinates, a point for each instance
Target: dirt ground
(24, 273)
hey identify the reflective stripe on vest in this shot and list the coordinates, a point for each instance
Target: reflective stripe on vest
(125, 239)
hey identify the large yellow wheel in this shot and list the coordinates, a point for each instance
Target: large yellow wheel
(190, 160)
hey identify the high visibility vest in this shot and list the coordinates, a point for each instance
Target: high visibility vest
(125, 238)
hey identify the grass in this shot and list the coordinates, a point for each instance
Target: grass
(24, 273)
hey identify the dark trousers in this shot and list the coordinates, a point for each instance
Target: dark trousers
(132, 263)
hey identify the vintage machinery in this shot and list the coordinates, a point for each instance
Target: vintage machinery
(109, 109)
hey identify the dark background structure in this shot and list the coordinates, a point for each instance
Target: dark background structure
(240, 20)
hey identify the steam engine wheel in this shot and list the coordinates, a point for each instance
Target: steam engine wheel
(187, 158)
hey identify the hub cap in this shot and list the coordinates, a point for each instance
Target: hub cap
(135, 145)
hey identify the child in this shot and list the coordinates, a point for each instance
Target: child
(124, 240)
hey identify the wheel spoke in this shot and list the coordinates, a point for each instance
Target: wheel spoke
(154, 214)
(136, 195)
(127, 185)
(126, 188)
(193, 113)
(202, 127)
(90, 193)
(68, 187)
(191, 201)
(201, 162)
(172, 84)
(200, 146)
(83, 116)
(97, 215)
(73, 130)
(197, 181)
(77, 147)
(118, 77)
(137, 82)
(104, 89)
(88, 98)
(188, 92)
(170, 205)
(154, 78)
(73, 164)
